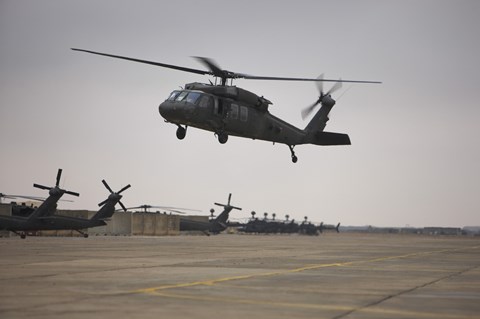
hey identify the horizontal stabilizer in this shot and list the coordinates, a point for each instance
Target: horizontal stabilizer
(328, 138)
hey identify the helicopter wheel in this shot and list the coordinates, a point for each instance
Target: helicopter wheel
(22, 236)
(181, 132)
(222, 138)
(294, 159)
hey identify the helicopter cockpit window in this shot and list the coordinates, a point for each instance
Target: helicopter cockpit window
(173, 95)
(181, 96)
(192, 97)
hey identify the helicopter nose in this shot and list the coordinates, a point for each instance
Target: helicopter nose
(166, 110)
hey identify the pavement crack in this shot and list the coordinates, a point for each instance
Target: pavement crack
(403, 292)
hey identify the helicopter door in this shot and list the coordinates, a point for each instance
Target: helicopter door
(219, 108)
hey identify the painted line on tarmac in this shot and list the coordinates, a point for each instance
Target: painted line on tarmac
(291, 305)
(212, 282)
(166, 290)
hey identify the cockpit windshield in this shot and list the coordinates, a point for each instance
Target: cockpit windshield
(192, 97)
(181, 96)
(173, 95)
(186, 96)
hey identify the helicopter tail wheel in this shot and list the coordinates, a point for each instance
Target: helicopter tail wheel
(294, 157)
(181, 132)
(222, 138)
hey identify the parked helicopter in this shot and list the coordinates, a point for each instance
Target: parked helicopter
(60, 222)
(229, 110)
(18, 224)
(214, 225)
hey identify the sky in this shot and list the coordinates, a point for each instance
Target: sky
(414, 158)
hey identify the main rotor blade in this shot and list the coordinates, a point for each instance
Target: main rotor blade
(72, 193)
(106, 186)
(41, 186)
(229, 197)
(59, 174)
(123, 207)
(209, 63)
(126, 187)
(164, 65)
(255, 77)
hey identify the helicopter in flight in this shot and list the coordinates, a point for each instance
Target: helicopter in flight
(228, 110)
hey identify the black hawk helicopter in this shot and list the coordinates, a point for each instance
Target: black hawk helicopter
(44, 218)
(229, 110)
(61, 222)
(214, 225)
(18, 224)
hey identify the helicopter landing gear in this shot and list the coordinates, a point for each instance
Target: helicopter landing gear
(294, 157)
(222, 137)
(85, 235)
(181, 132)
(22, 235)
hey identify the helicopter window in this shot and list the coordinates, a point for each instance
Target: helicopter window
(181, 96)
(205, 101)
(173, 95)
(234, 112)
(243, 113)
(192, 97)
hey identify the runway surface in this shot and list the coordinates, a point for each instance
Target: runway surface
(241, 276)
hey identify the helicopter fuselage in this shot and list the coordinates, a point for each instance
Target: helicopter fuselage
(228, 116)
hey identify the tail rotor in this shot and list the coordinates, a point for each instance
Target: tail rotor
(325, 99)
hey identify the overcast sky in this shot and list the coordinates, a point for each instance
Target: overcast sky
(415, 153)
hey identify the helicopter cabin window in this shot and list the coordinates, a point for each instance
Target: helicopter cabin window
(173, 95)
(234, 111)
(243, 113)
(181, 96)
(205, 101)
(192, 97)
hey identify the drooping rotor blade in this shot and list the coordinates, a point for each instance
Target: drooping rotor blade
(164, 65)
(125, 188)
(59, 174)
(170, 208)
(9, 196)
(177, 211)
(72, 193)
(180, 208)
(41, 186)
(106, 186)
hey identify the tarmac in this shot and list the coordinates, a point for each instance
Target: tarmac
(343, 275)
